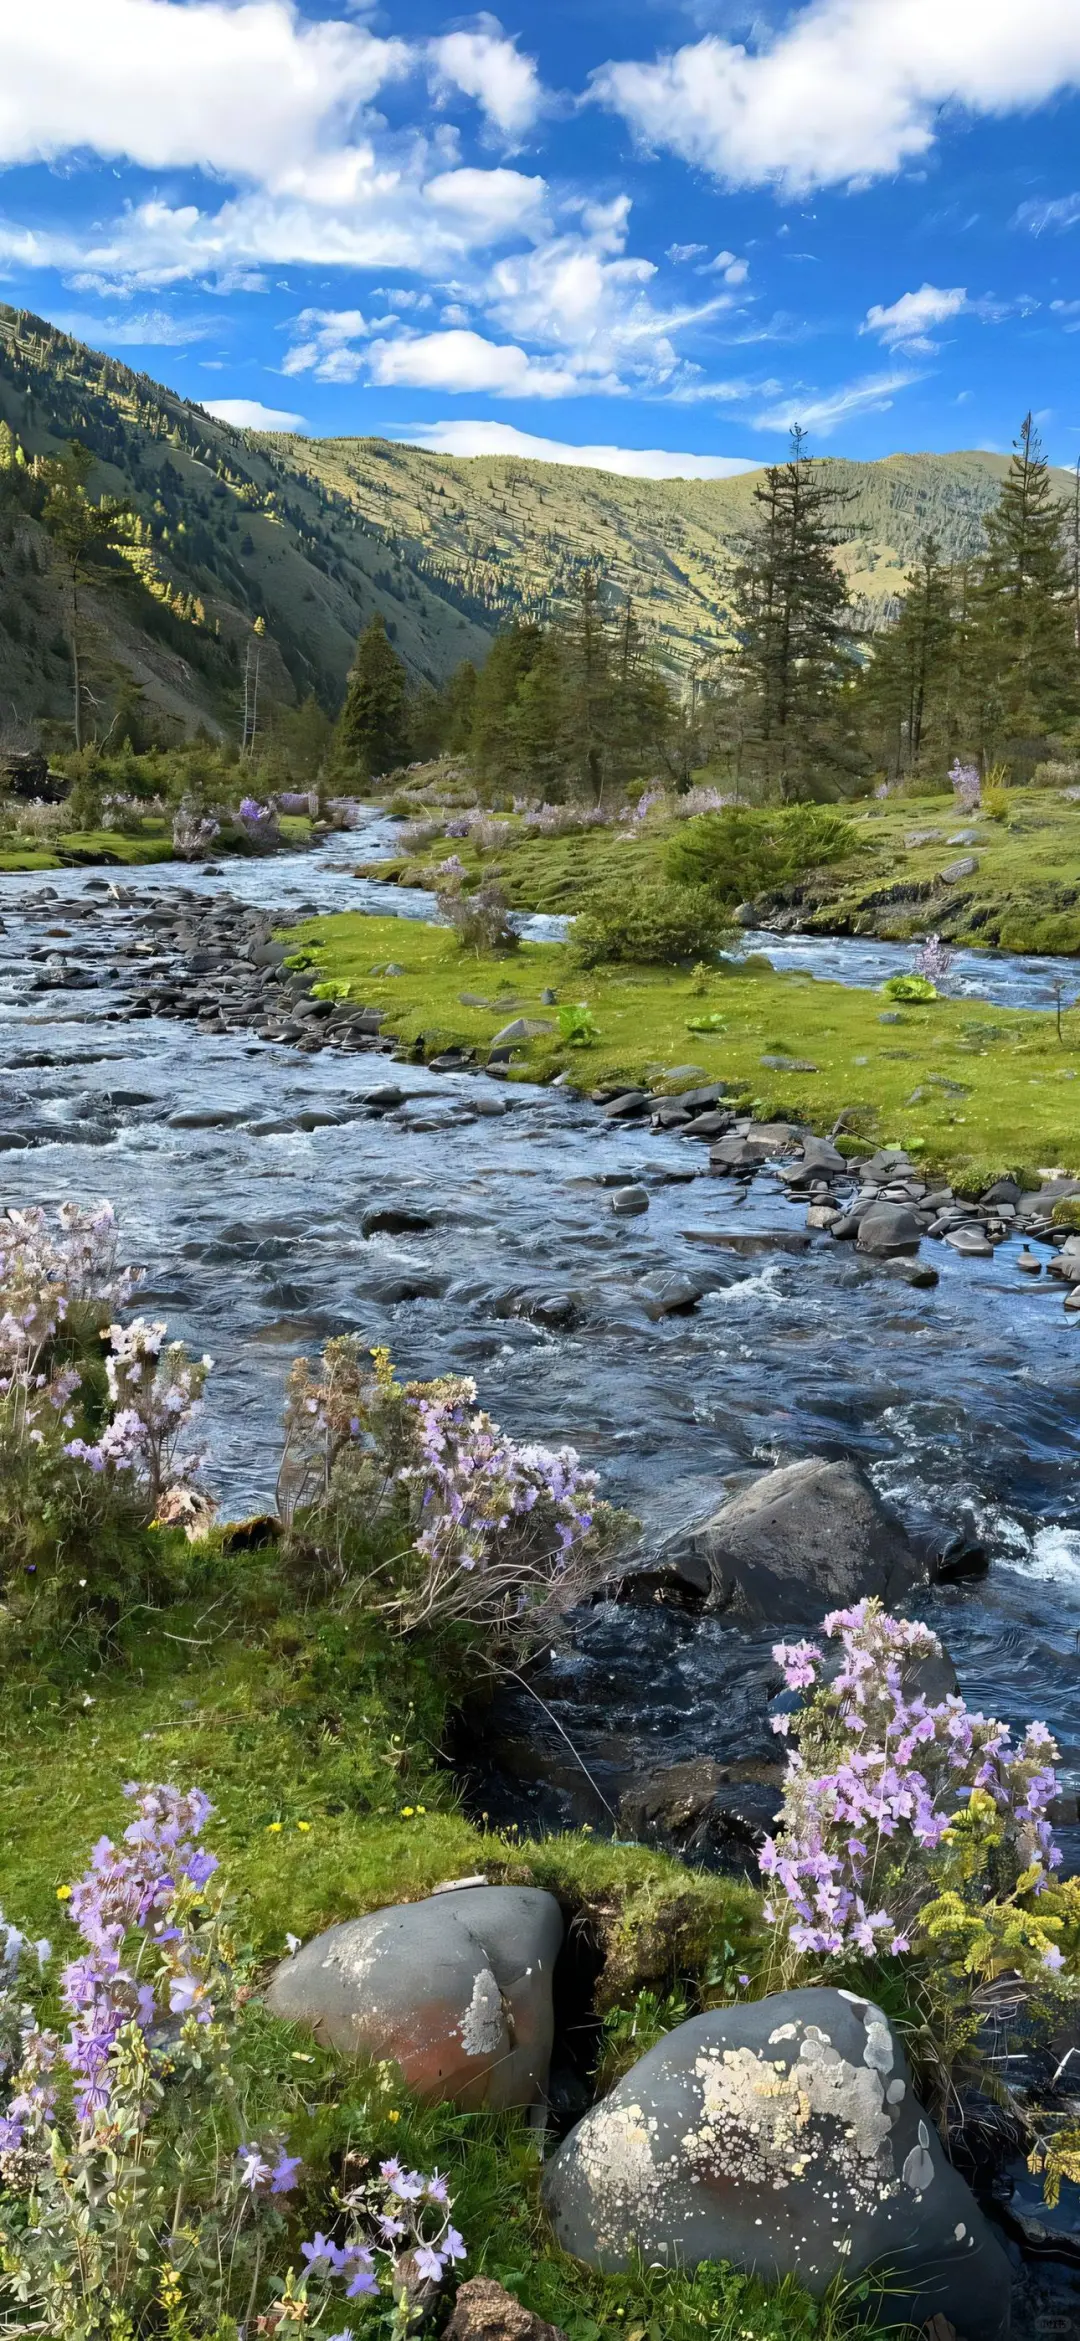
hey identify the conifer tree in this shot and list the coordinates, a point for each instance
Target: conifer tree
(795, 650)
(372, 732)
(907, 693)
(492, 743)
(1020, 658)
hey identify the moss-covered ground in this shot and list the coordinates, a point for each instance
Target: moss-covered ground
(1023, 896)
(318, 1738)
(151, 842)
(973, 1089)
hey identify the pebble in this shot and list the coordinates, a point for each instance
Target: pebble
(1030, 1265)
(628, 1202)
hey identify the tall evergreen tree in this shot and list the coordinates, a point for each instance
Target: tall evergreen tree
(83, 536)
(590, 691)
(1020, 657)
(372, 729)
(907, 691)
(795, 649)
(492, 743)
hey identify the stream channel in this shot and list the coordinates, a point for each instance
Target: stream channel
(961, 1401)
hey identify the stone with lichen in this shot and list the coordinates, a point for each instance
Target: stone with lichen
(783, 2136)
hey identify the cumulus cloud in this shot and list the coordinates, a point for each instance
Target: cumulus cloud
(638, 463)
(464, 361)
(249, 414)
(906, 323)
(846, 89)
(138, 329)
(821, 412)
(485, 65)
(242, 90)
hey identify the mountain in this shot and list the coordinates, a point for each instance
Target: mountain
(314, 535)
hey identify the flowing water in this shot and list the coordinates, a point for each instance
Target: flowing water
(962, 1401)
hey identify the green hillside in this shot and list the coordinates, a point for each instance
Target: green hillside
(314, 535)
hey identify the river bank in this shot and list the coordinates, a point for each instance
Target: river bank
(485, 1242)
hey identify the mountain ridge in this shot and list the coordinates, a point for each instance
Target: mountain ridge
(313, 535)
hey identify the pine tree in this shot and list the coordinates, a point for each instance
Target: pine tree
(590, 692)
(795, 651)
(1021, 666)
(372, 735)
(907, 692)
(492, 743)
(83, 536)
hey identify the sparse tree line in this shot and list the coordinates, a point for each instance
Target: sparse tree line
(981, 662)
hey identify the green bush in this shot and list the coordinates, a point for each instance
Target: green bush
(652, 925)
(738, 853)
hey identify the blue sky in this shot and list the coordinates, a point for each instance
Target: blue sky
(662, 231)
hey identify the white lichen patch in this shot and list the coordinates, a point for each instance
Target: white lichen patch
(616, 2153)
(483, 2026)
(771, 2123)
(879, 2051)
(357, 1949)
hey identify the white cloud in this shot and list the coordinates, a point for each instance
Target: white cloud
(821, 413)
(846, 89)
(582, 293)
(906, 323)
(464, 361)
(141, 329)
(243, 90)
(1063, 212)
(490, 204)
(486, 66)
(678, 253)
(639, 463)
(249, 414)
(324, 345)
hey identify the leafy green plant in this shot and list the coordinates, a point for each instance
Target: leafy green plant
(629, 2033)
(578, 1025)
(909, 987)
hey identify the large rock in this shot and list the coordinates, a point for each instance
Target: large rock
(888, 1231)
(782, 2136)
(800, 1540)
(456, 1991)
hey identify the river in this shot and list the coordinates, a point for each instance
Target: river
(962, 1401)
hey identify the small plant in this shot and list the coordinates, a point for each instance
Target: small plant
(995, 804)
(481, 921)
(909, 987)
(577, 1025)
(629, 2033)
(966, 786)
(193, 833)
(933, 961)
(440, 1517)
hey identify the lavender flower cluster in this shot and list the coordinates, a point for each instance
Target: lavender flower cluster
(934, 960)
(155, 1390)
(966, 786)
(51, 1279)
(258, 822)
(402, 2217)
(193, 833)
(134, 1893)
(473, 1483)
(879, 1778)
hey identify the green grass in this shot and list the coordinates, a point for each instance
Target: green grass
(153, 843)
(1019, 898)
(317, 1736)
(973, 1089)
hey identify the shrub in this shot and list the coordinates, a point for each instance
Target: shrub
(193, 833)
(414, 1492)
(966, 785)
(1056, 772)
(739, 853)
(654, 924)
(577, 1025)
(481, 921)
(995, 804)
(906, 1825)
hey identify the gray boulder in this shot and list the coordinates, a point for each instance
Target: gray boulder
(784, 2137)
(800, 1540)
(456, 1991)
(888, 1230)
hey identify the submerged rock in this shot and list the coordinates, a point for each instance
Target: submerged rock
(784, 2137)
(802, 1539)
(455, 1990)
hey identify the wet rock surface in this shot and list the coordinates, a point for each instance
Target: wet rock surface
(806, 1538)
(455, 1990)
(785, 2137)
